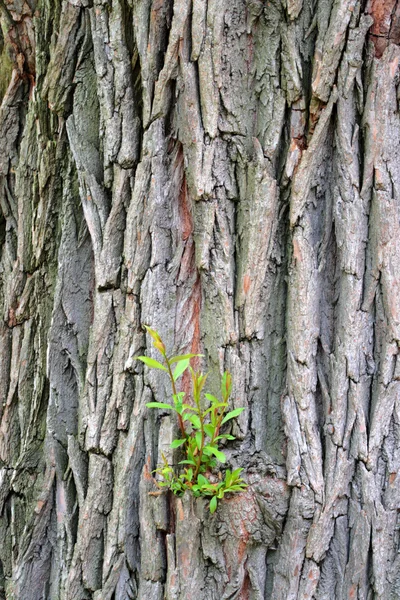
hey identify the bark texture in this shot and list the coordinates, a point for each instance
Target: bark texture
(228, 172)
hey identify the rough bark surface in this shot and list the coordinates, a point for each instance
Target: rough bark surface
(227, 171)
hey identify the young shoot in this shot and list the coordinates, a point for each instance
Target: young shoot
(200, 419)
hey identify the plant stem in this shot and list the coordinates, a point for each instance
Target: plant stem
(180, 420)
(201, 417)
(217, 428)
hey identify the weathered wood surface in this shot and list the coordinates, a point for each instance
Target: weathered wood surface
(227, 171)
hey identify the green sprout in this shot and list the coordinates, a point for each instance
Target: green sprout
(200, 420)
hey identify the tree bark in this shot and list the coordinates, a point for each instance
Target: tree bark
(228, 172)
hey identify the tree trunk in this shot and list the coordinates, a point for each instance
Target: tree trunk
(226, 171)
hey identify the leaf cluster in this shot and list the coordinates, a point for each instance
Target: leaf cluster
(200, 419)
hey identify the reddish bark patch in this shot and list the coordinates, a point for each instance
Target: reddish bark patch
(386, 26)
(146, 469)
(39, 506)
(316, 108)
(186, 217)
(12, 321)
(250, 52)
(179, 510)
(245, 591)
(191, 313)
(196, 317)
(21, 41)
(297, 251)
(298, 123)
(188, 279)
(242, 549)
(246, 283)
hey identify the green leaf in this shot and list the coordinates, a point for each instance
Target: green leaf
(187, 462)
(232, 414)
(178, 443)
(150, 362)
(198, 381)
(209, 429)
(214, 406)
(198, 439)
(217, 453)
(159, 405)
(194, 419)
(226, 385)
(176, 359)
(236, 472)
(228, 478)
(178, 398)
(158, 343)
(237, 488)
(191, 449)
(201, 480)
(212, 399)
(154, 334)
(213, 504)
(225, 436)
(180, 368)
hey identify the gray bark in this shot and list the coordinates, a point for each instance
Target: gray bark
(228, 172)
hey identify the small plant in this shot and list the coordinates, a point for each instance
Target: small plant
(200, 429)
